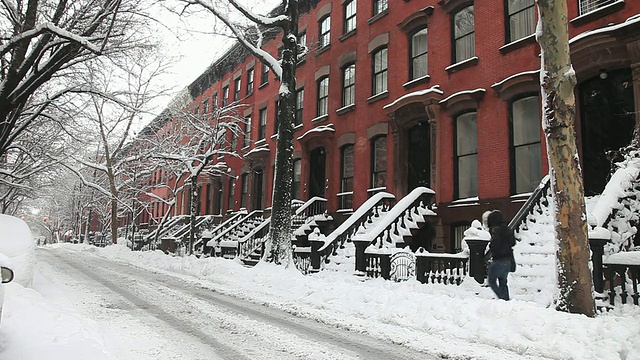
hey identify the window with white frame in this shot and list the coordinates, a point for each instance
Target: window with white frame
(419, 54)
(325, 31)
(299, 106)
(250, 76)
(323, 96)
(466, 155)
(236, 89)
(587, 6)
(247, 131)
(526, 169)
(521, 19)
(349, 16)
(464, 34)
(265, 75)
(379, 71)
(225, 96)
(349, 85)
(262, 129)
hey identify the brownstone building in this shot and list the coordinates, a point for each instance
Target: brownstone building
(444, 94)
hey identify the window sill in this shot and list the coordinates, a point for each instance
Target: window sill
(347, 35)
(320, 118)
(472, 201)
(598, 13)
(297, 127)
(261, 141)
(344, 211)
(301, 61)
(419, 81)
(274, 136)
(518, 198)
(377, 97)
(378, 16)
(346, 109)
(323, 49)
(520, 43)
(263, 85)
(462, 65)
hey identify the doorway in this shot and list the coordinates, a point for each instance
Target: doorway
(608, 121)
(317, 160)
(419, 157)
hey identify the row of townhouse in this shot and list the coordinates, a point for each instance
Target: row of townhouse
(436, 93)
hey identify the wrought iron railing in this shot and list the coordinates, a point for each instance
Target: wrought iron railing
(538, 197)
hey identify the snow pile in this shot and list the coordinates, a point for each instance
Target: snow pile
(17, 243)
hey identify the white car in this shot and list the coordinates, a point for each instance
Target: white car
(18, 245)
(6, 274)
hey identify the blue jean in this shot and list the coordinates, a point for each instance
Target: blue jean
(498, 272)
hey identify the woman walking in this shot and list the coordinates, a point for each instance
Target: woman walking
(502, 241)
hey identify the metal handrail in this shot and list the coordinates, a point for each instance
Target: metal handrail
(529, 205)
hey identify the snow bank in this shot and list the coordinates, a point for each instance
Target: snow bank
(16, 242)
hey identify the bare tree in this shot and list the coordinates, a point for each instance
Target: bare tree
(193, 141)
(250, 31)
(44, 41)
(118, 96)
(558, 80)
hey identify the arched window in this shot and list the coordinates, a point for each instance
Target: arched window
(526, 166)
(464, 34)
(466, 155)
(349, 85)
(419, 54)
(379, 75)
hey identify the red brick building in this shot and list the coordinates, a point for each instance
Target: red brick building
(444, 94)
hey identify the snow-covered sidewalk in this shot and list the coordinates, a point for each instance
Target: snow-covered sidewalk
(456, 322)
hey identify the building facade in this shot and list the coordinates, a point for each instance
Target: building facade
(439, 93)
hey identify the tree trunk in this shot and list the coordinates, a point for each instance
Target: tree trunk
(558, 80)
(278, 247)
(193, 193)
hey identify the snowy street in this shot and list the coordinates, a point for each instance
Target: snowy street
(115, 304)
(154, 316)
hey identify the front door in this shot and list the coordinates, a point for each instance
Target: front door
(419, 157)
(608, 122)
(317, 176)
(257, 189)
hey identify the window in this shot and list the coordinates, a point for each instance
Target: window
(217, 196)
(302, 43)
(262, 130)
(346, 177)
(379, 162)
(225, 96)
(419, 54)
(380, 71)
(349, 85)
(265, 75)
(297, 175)
(350, 16)
(214, 102)
(247, 131)
(236, 88)
(522, 21)
(245, 190)
(276, 123)
(457, 234)
(205, 107)
(232, 189)
(463, 34)
(587, 6)
(323, 96)
(466, 155)
(299, 106)
(526, 168)
(379, 6)
(250, 76)
(325, 31)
